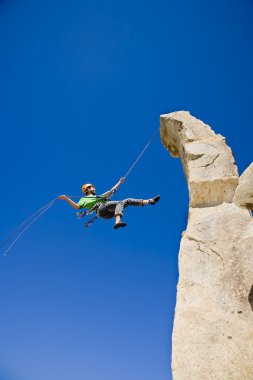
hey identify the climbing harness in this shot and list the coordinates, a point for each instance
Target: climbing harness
(16, 234)
(81, 214)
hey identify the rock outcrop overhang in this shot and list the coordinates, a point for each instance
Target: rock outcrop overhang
(207, 161)
(213, 325)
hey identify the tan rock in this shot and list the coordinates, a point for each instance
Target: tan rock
(213, 325)
(244, 191)
(208, 162)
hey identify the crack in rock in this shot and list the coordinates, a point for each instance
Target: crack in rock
(206, 245)
(211, 163)
(217, 253)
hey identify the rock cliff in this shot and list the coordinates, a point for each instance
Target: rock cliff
(213, 325)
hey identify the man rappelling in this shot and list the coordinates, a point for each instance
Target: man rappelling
(103, 206)
(90, 202)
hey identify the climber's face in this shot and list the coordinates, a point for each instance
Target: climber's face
(91, 190)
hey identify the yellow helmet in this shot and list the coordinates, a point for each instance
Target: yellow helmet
(85, 187)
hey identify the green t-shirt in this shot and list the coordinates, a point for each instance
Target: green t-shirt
(90, 200)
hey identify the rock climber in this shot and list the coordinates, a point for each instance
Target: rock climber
(105, 208)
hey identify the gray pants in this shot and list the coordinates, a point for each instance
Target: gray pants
(112, 208)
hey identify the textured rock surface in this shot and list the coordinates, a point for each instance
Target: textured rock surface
(244, 192)
(213, 326)
(207, 161)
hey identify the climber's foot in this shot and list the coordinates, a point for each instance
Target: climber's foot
(119, 224)
(153, 201)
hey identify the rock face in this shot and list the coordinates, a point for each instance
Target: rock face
(208, 162)
(244, 192)
(213, 326)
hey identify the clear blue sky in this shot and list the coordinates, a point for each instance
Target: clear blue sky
(82, 85)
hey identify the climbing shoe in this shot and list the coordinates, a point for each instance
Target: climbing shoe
(153, 201)
(118, 225)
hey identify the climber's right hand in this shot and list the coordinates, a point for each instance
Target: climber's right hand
(64, 197)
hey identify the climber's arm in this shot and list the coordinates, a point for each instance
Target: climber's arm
(73, 204)
(114, 188)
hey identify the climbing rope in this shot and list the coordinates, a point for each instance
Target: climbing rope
(142, 152)
(26, 224)
(134, 163)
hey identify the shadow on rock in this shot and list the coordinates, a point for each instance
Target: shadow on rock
(250, 297)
